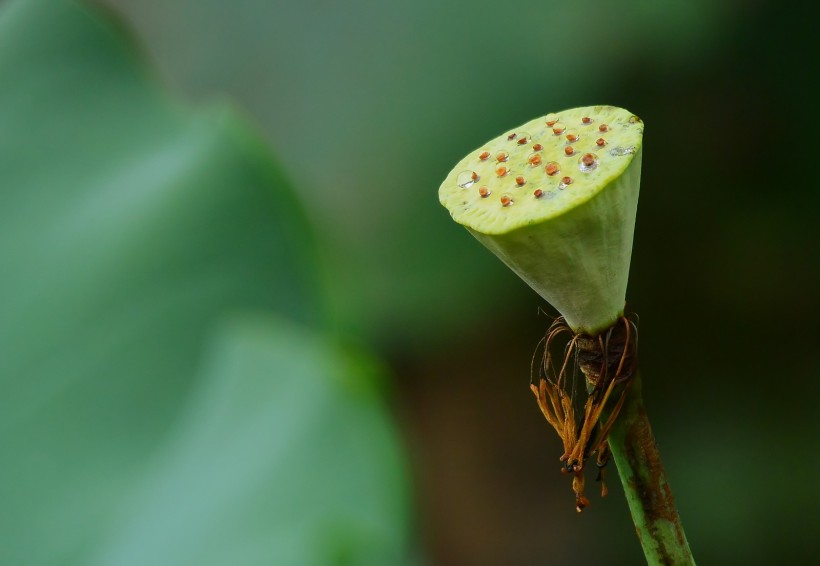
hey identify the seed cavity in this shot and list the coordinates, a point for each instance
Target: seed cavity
(534, 160)
(506, 200)
(552, 168)
(466, 179)
(520, 181)
(484, 155)
(588, 162)
(484, 192)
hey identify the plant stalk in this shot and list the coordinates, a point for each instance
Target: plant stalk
(647, 491)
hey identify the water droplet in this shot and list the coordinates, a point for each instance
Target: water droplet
(549, 195)
(466, 179)
(520, 181)
(506, 200)
(502, 156)
(569, 150)
(537, 147)
(619, 151)
(601, 142)
(573, 136)
(588, 162)
(558, 129)
(538, 193)
(552, 168)
(501, 171)
(586, 120)
(484, 155)
(565, 182)
(534, 160)
(603, 128)
(484, 192)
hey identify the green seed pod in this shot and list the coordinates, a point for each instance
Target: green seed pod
(556, 200)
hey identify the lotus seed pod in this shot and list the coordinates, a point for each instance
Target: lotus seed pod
(567, 230)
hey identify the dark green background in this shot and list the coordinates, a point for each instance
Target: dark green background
(367, 105)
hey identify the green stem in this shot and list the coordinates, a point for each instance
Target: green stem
(647, 491)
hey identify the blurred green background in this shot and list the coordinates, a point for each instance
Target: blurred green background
(237, 327)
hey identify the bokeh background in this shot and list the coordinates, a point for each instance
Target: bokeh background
(237, 327)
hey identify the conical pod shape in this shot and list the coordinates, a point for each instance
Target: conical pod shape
(555, 199)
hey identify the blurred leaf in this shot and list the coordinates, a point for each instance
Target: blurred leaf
(283, 457)
(129, 225)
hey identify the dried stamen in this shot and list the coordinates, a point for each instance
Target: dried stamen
(607, 361)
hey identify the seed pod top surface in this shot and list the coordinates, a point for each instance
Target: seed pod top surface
(541, 169)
